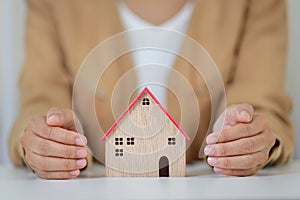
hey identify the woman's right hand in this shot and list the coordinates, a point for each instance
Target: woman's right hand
(53, 147)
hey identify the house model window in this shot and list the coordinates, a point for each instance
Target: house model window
(118, 141)
(119, 152)
(130, 141)
(171, 141)
(146, 102)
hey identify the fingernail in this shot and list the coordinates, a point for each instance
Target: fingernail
(81, 140)
(53, 118)
(212, 138)
(217, 170)
(81, 153)
(81, 163)
(209, 150)
(245, 115)
(75, 173)
(212, 160)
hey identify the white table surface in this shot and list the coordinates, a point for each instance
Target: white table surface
(200, 183)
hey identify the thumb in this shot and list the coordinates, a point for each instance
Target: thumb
(239, 113)
(234, 114)
(63, 118)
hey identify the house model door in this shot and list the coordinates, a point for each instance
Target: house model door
(163, 167)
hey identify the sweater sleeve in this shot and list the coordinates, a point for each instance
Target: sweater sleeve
(260, 73)
(44, 80)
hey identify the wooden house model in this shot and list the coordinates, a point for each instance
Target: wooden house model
(145, 141)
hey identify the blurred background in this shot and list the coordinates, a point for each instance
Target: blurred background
(12, 18)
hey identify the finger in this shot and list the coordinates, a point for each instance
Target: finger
(57, 175)
(237, 147)
(45, 147)
(234, 114)
(238, 131)
(236, 172)
(239, 113)
(40, 128)
(54, 164)
(63, 118)
(239, 162)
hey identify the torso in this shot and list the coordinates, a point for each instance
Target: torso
(216, 25)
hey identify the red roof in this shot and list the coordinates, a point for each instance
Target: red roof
(145, 90)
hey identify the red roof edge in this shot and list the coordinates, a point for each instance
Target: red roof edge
(145, 90)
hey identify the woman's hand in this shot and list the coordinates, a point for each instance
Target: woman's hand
(240, 145)
(53, 148)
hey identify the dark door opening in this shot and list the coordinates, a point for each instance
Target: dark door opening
(163, 167)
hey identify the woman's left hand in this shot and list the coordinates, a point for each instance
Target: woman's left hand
(241, 145)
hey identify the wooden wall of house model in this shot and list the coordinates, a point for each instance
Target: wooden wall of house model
(145, 141)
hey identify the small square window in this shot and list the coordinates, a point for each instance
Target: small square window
(145, 102)
(118, 141)
(130, 141)
(119, 152)
(171, 141)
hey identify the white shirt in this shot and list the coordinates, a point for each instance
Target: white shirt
(153, 66)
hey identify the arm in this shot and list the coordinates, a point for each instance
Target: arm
(43, 83)
(249, 144)
(260, 73)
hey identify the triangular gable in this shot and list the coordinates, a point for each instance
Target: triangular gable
(145, 90)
